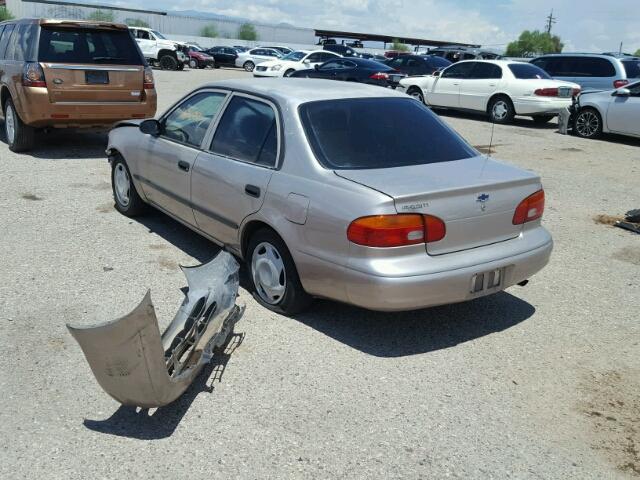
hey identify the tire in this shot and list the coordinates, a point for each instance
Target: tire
(268, 257)
(587, 123)
(249, 66)
(542, 119)
(501, 110)
(20, 137)
(126, 198)
(289, 72)
(193, 63)
(168, 62)
(416, 93)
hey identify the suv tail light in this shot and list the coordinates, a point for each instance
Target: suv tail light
(148, 78)
(379, 76)
(33, 75)
(530, 209)
(396, 230)
(620, 83)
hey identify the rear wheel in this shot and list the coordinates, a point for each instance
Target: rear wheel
(20, 137)
(501, 110)
(168, 62)
(273, 275)
(542, 119)
(249, 66)
(588, 123)
(416, 93)
(125, 195)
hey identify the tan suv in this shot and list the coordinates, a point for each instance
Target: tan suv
(70, 73)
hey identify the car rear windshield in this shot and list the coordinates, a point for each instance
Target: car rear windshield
(632, 67)
(88, 45)
(366, 133)
(527, 71)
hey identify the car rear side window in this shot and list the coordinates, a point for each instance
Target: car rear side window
(85, 45)
(4, 42)
(526, 71)
(591, 67)
(247, 132)
(632, 68)
(484, 70)
(367, 133)
(23, 42)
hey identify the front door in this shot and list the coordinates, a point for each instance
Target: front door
(623, 115)
(165, 172)
(445, 91)
(230, 179)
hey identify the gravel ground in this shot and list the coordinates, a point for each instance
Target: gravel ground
(536, 382)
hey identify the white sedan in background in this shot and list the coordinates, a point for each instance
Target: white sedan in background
(501, 88)
(249, 59)
(298, 60)
(609, 111)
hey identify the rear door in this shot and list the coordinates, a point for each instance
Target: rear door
(230, 178)
(90, 65)
(445, 91)
(483, 81)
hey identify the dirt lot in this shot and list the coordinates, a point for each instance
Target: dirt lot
(537, 382)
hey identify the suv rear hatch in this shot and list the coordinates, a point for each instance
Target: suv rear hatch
(475, 197)
(93, 63)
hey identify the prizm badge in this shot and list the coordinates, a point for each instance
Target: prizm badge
(482, 200)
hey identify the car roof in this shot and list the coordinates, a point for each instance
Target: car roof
(578, 54)
(296, 91)
(502, 63)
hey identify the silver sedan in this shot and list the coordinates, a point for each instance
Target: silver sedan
(336, 190)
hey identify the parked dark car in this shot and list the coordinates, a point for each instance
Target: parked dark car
(374, 56)
(341, 50)
(413, 65)
(354, 70)
(455, 54)
(224, 55)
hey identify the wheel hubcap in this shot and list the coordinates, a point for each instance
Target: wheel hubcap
(500, 110)
(122, 185)
(587, 124)
(10, 124)
(269, 276)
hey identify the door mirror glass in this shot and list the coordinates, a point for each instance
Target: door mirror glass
(151, 127)
(622, 92)
(437, 73)
(306, 61)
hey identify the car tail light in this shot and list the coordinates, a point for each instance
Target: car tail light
(546, 92)
(531, 208)
(396, 230)
(148, 78)
(575, 91)
(33, 75)
(380, 76)
(620, 83)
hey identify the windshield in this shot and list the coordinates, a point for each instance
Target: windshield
(526, 71)
(294, 56)
(88, 45)
(632, 67)
(158, 34)
(365, 133)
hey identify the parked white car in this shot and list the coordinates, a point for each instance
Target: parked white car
(298, 60)
(501, 88)
(249, 59)
(609, 111)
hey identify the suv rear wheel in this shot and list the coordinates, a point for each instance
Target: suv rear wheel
(20, 137)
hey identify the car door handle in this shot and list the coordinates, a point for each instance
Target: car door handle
(182, 165)
(252, 190)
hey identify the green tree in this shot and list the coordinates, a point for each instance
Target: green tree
(209, 31)
(101, 16)
(399, 46)
(532, 43)
(247, 32)
(637, 54)
(5, 14)
(136, 22)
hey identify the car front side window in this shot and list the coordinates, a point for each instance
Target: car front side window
(189, 122)
(461, 70)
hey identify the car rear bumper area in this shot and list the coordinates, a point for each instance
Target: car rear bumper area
(537, 106)
(37, 110)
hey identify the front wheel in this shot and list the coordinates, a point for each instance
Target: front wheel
(501, 110)
(249, 66)
(168, 62)
(588, 123)
(20, 137)
(273, 275)
(416, 93)
(193, 63)
(125, 195)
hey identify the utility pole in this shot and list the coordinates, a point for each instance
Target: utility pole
(550, 21)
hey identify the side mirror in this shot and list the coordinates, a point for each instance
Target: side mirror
(437, 73)
(151, 127)
(316, 66)
(306, 61)
(622, 92)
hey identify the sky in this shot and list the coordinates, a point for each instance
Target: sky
(588, 25)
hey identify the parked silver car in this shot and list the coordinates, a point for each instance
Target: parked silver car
(337, 190)
(249, 59)
(610, 111)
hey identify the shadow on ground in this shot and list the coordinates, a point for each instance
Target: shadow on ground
(141, 424)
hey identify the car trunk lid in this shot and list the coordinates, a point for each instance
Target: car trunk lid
(475, 197)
